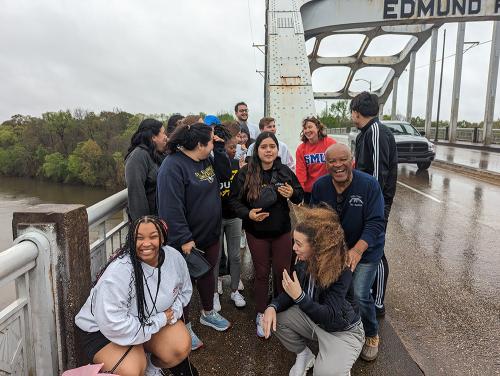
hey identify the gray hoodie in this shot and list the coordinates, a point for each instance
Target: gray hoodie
(107, 308)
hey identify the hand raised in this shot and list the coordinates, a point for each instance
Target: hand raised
(291, 286)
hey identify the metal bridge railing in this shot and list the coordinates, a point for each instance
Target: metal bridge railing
(25, 346)
(107, 221)
(474, 135)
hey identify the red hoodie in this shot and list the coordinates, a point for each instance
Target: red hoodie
(311, 162)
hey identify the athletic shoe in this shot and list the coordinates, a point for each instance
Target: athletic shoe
(214, 320)
(219, 286)
(259, 322)
(303, 362)
(240, 286)
(243, 241)
(238, 299)
(195, 341)
(380, 311)
(217, 306)
(370, 348)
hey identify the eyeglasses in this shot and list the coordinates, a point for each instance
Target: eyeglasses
(243, 110)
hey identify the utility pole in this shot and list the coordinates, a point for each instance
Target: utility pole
(440, 87)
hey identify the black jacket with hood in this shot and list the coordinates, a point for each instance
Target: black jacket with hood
(376, 155)
(278, 222)
(333, 308)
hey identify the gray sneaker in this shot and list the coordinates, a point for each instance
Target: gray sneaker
(370, 348)
(214, 320)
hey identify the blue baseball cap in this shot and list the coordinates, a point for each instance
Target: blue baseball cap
(211, 120)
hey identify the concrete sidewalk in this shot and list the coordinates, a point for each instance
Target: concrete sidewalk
(240, 352)
(460, 154)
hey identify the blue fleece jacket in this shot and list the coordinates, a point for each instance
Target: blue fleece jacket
(361, 214)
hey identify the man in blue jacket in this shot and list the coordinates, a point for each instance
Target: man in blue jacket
(357, 199)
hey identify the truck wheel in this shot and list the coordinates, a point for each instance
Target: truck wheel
(423, 165)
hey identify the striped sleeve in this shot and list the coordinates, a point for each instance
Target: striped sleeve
(376, 149)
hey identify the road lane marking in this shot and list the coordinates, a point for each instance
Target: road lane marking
(420, 192)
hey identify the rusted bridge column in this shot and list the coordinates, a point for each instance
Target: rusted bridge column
(66, 227)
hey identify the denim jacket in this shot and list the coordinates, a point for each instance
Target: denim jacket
(332, 309)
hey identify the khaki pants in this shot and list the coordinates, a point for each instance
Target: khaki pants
(337, 350)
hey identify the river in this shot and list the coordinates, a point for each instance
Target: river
(18, 194)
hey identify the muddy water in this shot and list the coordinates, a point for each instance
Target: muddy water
(18, 194)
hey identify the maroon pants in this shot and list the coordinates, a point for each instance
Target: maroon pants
(266, 252)
(206, 284)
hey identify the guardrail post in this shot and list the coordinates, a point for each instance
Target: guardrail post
(70, 260)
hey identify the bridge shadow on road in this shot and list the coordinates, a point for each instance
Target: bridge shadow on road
(240, 352)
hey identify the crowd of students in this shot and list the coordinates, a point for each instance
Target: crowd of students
(198, 182)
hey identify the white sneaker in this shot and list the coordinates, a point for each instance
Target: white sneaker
(240, 286)
(303, 362)
(243, 241)
(219, 286)
(238, 299)
(217, 306)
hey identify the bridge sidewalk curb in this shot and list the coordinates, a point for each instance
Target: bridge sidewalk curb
(493, 148)
(467, 170)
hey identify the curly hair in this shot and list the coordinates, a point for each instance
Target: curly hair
(321, 128)
(324, 233)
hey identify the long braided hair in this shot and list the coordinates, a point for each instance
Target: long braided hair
(129, 248)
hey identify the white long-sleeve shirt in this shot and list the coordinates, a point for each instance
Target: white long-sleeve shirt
(107, 308)
(283, 152)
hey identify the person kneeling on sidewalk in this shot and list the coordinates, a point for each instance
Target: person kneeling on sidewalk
(318, 303)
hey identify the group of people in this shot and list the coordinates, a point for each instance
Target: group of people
(196, 182)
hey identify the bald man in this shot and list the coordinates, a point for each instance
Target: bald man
(357, 199)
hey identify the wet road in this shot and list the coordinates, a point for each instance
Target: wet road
(442, 300)
(442, 245)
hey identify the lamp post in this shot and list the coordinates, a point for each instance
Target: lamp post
(367, 81)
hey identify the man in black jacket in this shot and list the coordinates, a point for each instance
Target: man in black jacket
(376, 155)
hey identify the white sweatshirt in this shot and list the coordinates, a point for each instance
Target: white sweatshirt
(107, 308)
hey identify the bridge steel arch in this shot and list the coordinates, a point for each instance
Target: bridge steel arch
(289, 96)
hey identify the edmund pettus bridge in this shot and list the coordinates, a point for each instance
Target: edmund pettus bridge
(442, 303)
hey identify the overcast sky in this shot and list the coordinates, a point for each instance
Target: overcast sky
(157, 56)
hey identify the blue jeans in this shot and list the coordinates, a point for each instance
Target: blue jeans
(362, 281)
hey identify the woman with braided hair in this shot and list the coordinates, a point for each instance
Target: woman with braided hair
(317, 303)
(136, 305)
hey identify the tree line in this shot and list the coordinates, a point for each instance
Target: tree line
(83, 147)
(80, 147)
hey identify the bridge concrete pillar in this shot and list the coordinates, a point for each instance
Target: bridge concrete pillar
(66, 227)
(491, 89)
(457, 79)
(288, 89)
(394, 112)
(381, 110)
(411, 83)
(430, 83)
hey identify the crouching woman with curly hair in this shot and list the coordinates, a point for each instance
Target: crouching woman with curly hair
(317, 302)
(131, 322)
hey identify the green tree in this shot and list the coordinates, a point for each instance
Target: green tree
(83, 163)
(61, 127)
(55, 167)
